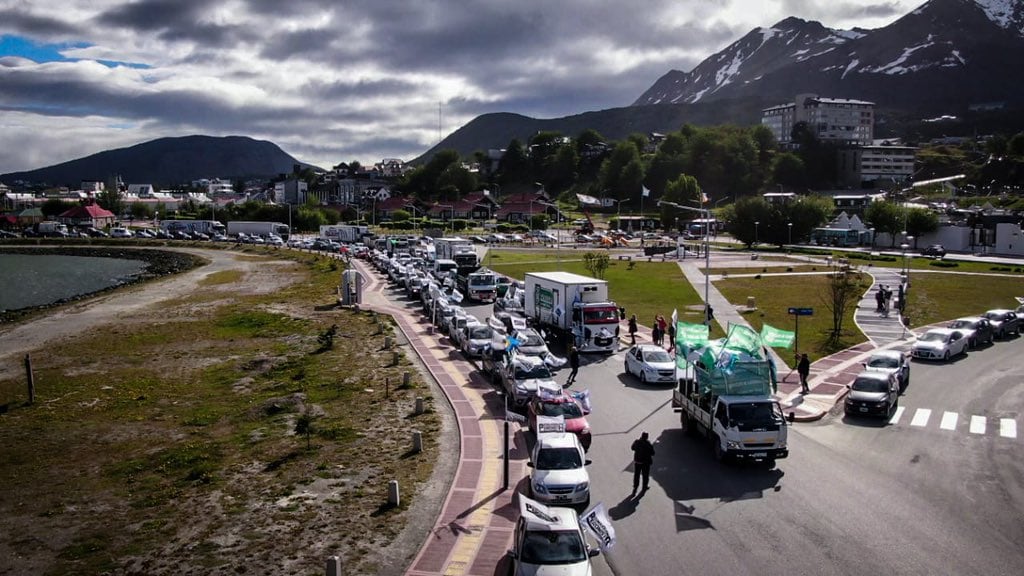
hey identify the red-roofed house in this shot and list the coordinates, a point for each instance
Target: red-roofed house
(88, 214)
(385, 208)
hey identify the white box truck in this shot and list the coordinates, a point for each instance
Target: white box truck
(573, 307)
(729, 401)
(208, 227)
(261, 229)
(347, 233)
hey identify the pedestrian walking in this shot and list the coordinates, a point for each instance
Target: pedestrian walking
(710, 313)
(671, 337)
(878, 299)
(632, 330)
(574, 363)
(803, 368)
(656, 334)
(643, 457)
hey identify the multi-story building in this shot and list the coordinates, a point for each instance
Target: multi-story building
(837, 120)
(887, 167)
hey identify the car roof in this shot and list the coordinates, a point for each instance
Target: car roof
(565, 519)
(970, 319)
(649, 347)
(943, 331)
(873, 375)
(887, 354)
(998, 311)
(557, 440)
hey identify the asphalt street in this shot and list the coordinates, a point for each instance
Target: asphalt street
(938, 489)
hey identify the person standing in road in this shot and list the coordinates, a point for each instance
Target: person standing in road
(632, 330)
(671, 337)
(803, 368)
(643, 457)
(656, 333)
(574, 363)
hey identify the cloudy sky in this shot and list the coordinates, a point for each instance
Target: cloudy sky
(333, 81)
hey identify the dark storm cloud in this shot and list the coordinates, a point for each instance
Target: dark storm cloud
(360, 89)
(308, 43)
(15, 20)
(155, 14)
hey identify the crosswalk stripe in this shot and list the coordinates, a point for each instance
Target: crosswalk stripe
(921, 417)
(896, 415)
(977, 425)
(1007, 427)
(948, 421)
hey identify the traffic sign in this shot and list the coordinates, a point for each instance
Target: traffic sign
(802, 311)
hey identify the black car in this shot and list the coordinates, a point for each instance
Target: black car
(873, 393)
(1004, 322)
(936, 250)
(6, 234)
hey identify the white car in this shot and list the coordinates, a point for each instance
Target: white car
(650, 363)
(940, 344)
(550, 541)
(558, 473)
(120, 233)
(275, 240)
(530, 342)
(475, 339)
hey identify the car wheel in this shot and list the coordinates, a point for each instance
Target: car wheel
(946, 356)
(972, 343)
(716, 446)
(643, 377)
(626, 366)
(684, 422)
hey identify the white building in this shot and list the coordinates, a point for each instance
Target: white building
(835, 120)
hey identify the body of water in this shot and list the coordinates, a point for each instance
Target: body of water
(29, 280)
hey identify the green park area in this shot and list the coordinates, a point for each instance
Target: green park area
(938, 292)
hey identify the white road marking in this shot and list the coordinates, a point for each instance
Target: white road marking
(896, 416)
(1007, 427)
(977, 425)
(921, 416)
(948, 421)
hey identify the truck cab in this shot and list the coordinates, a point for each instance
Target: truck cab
(595, 327)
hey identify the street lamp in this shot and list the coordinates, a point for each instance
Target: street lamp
(756, 224)
(618, 215)
(790, 226)
(707, 257)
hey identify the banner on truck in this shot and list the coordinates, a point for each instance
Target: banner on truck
(777, 338)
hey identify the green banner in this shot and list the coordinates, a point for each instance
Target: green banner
(776, 338)
(690, 336)
(743, 339)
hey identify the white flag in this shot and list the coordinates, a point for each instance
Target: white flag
(646, 191)
(585, 199)
(675, 317)
(596, 522)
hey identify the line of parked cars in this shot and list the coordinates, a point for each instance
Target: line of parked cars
(886, 375)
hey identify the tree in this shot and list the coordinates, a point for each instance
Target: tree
(304, 426)
(752, 217)
(55, 207)
(596, 263)
(682, 190)
(921, 221)
(844, 290)
(788, 169)
(886, 218)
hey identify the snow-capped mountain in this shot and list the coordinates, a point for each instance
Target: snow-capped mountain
(946, 55)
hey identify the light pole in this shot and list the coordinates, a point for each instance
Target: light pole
(618, 215)
(756, 224)
(906, 262)
(707, 257)
(789, 225)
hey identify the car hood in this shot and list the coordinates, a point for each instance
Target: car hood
(867, 396)
(479, 342)
(560, 477)
(532, 383)
(578, 569)
(881, 369)
(533, 350)
(661, 365)
(929, 345)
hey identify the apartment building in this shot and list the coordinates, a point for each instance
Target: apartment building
(837, 120)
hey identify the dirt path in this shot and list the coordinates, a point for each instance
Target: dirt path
(76, 318)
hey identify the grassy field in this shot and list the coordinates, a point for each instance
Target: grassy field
(937, 297)
(173, 442)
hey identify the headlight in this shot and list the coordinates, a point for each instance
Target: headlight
(731, 445)
(781, 445)
(540, 489)
(582, 486)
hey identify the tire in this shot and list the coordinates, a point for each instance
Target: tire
(643, 377)
(625, 366)
(716, 447)
(684, 423)
(945, 357)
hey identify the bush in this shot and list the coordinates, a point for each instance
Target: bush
(943, 264)
(459, 225)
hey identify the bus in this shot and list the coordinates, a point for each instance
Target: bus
(840, 237)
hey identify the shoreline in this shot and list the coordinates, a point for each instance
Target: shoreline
(159, 263)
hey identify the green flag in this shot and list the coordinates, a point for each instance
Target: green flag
(743, 339)
(776, 338)
(690, 336)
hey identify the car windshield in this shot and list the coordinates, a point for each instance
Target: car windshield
(933, 337)
(480, 333)
(994, 315)
(553, 547)
(657, 356)
(558, 459)
(883, 362)
(868, 385)
(754, 413)
(531, 340)
(600, 316)
(568, 409)
(962, 324)
(533, 372)
(485, 280)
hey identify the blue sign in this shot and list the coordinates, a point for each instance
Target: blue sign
(802, 311)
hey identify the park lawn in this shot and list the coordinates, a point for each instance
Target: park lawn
(939, 297)
(645, 289)
(775, 295)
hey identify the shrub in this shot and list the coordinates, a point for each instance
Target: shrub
(943, 264)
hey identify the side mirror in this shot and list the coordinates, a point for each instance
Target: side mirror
(791, 417)
(587, 462)
(529, 464)
(594, 553)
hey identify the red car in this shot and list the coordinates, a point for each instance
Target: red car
(567, 407)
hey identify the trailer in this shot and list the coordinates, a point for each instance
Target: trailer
(347, 233)
(208, 227)
(574, 307)
(458, 249)
(725, 396)
(262, 229)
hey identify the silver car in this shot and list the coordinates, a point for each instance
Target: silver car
(890, 362)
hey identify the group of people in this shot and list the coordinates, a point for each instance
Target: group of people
(884, 296)
(659, 330)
